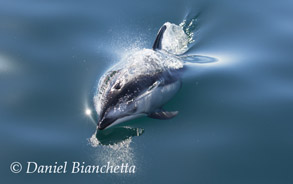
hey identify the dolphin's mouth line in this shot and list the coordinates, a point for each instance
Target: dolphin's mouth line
(104, 123)
(110, 123)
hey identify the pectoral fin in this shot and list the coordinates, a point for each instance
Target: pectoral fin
(163, 114)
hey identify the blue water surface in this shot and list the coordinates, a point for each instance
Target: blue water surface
(235, 119)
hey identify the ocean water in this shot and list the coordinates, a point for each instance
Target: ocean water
(235, 118)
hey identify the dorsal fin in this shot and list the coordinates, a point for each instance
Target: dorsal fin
(157, 43)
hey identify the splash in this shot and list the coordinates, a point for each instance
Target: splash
(190, 26)
(115, 154)
(175, 40)
(115, 144)
(178, 39)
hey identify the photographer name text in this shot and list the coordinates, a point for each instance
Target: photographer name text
(32, 167)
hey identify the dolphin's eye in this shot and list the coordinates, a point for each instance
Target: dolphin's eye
(117, 86)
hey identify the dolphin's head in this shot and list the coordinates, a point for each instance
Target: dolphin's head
(116, 113)
(115, 99)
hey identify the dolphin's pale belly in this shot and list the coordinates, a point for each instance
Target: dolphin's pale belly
(152, 100)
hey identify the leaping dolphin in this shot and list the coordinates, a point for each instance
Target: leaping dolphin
(140, 84)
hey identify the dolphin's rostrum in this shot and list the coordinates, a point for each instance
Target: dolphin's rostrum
(143, 82)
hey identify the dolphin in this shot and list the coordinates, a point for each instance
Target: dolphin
(141, 83)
